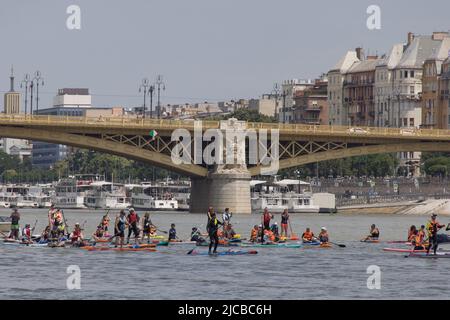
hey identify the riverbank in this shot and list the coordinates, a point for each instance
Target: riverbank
(426, 207)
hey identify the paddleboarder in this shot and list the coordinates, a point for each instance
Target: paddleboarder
(119, 228)
(374, 233)
(284, 223)
(132, 222)
(15, 218)
(265, 221)
(324, 238)
(212, 228)
(433, 226)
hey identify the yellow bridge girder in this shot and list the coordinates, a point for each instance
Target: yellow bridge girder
(119, 149)
(299, 144)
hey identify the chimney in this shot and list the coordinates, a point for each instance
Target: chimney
(440, 35)
(359, 53)
(410, 38)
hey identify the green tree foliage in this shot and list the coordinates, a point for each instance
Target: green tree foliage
(247, 115)
(379, 165)
(437, 164)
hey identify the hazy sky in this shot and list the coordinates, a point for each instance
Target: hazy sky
(207, 50)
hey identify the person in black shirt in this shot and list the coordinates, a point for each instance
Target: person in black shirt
(212, 228)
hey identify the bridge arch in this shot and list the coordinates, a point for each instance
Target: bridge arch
(110, 147)
(358, 151)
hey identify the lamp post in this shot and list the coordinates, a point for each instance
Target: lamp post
(38, 81)
(144, 88)
(151, 91)
(26, 83)
(277, 93)
(160, 85)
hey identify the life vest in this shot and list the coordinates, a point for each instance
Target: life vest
(254, 234)
(132, 218)
(308, 235)
(421, 234)
(417, 239)
(270, 235)
(26, 232)
(76, 233)
(432, 227)
(57, 217)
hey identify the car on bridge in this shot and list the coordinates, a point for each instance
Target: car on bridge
(357, 131)
(408, 132)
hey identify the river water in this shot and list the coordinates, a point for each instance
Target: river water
(337, 273)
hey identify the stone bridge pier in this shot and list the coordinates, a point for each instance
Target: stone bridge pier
(226, 185)
(221, 190)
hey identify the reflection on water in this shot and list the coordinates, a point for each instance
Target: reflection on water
(29, 273)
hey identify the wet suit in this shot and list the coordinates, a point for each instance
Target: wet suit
(212, 228)
(433, 228)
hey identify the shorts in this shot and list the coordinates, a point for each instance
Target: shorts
(15, 227)
(284, 225)
(120, 233)
(135, 230)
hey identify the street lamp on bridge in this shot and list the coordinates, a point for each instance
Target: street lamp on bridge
(26, 82)
(160, 85)
(38, 80)
(145, 86)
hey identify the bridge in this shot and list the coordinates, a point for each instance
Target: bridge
(219, 186)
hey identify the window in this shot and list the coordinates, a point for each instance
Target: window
(412, 74)
(406, 74)
(411, 122)
(411, 90)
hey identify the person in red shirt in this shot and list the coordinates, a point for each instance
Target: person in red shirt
(133, 221)
(265, 221)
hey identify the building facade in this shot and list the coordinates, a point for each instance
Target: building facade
(335, 88)
(311, 105)
(358, 90)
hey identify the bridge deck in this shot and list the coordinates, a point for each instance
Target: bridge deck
(287, 131)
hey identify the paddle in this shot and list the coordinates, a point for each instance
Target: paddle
(339, 245)
(293, 235)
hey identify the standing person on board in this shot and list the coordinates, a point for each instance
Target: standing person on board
(284, 223)
(119, 228)
(213, 228)
(265, 221)
(15, 218)
(146, 227)
(433, 226)
(132, 221)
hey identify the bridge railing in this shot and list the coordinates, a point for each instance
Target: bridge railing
(287, 129)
